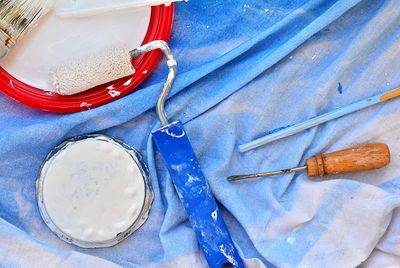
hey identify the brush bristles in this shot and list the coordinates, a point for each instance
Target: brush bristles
(16, 16)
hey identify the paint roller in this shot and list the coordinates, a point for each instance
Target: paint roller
(171, 139)
(82, 73)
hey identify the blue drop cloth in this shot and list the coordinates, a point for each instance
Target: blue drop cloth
(244, 68)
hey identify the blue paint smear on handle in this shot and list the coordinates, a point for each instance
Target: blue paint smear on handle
(278, 129)
(340, 88)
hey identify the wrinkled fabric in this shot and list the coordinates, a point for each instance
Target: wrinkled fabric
(244, 69)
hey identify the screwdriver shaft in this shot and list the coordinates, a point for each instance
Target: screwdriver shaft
(265, 174)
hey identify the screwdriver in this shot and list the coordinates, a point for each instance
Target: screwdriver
(359, 158)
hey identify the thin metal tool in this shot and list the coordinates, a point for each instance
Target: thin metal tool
(320, 119)
(359, 158)
(265, 174)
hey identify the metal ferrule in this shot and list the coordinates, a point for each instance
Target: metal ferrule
(160, 44)
(6, 42)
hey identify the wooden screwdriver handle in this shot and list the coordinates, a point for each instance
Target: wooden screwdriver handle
(363, 157)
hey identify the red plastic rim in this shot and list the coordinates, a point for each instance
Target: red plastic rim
(160, 27)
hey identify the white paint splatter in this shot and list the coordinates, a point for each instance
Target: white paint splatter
(313, 57)
(145, 71)
(230, 258)
(114, 93)
(127, 83)
(192, 179)
(214, 215)
(178, 168)
(84, 104)
(166, 130)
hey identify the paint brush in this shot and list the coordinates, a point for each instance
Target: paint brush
(16, 18)
(291, 130)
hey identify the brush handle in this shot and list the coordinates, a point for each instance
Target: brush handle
(319, 120)
(359, 158)
(196, 196)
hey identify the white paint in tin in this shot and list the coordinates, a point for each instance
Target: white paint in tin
(93, 190)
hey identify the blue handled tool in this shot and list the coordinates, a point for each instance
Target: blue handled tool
(291, 130)
(189, 181)
(196, 195)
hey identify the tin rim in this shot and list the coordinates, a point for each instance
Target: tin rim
(137, 223)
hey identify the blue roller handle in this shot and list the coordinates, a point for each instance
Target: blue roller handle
(196, 195)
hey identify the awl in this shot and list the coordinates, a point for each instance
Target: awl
(359, 158)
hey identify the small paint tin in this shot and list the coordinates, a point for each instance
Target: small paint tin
(95, 208)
